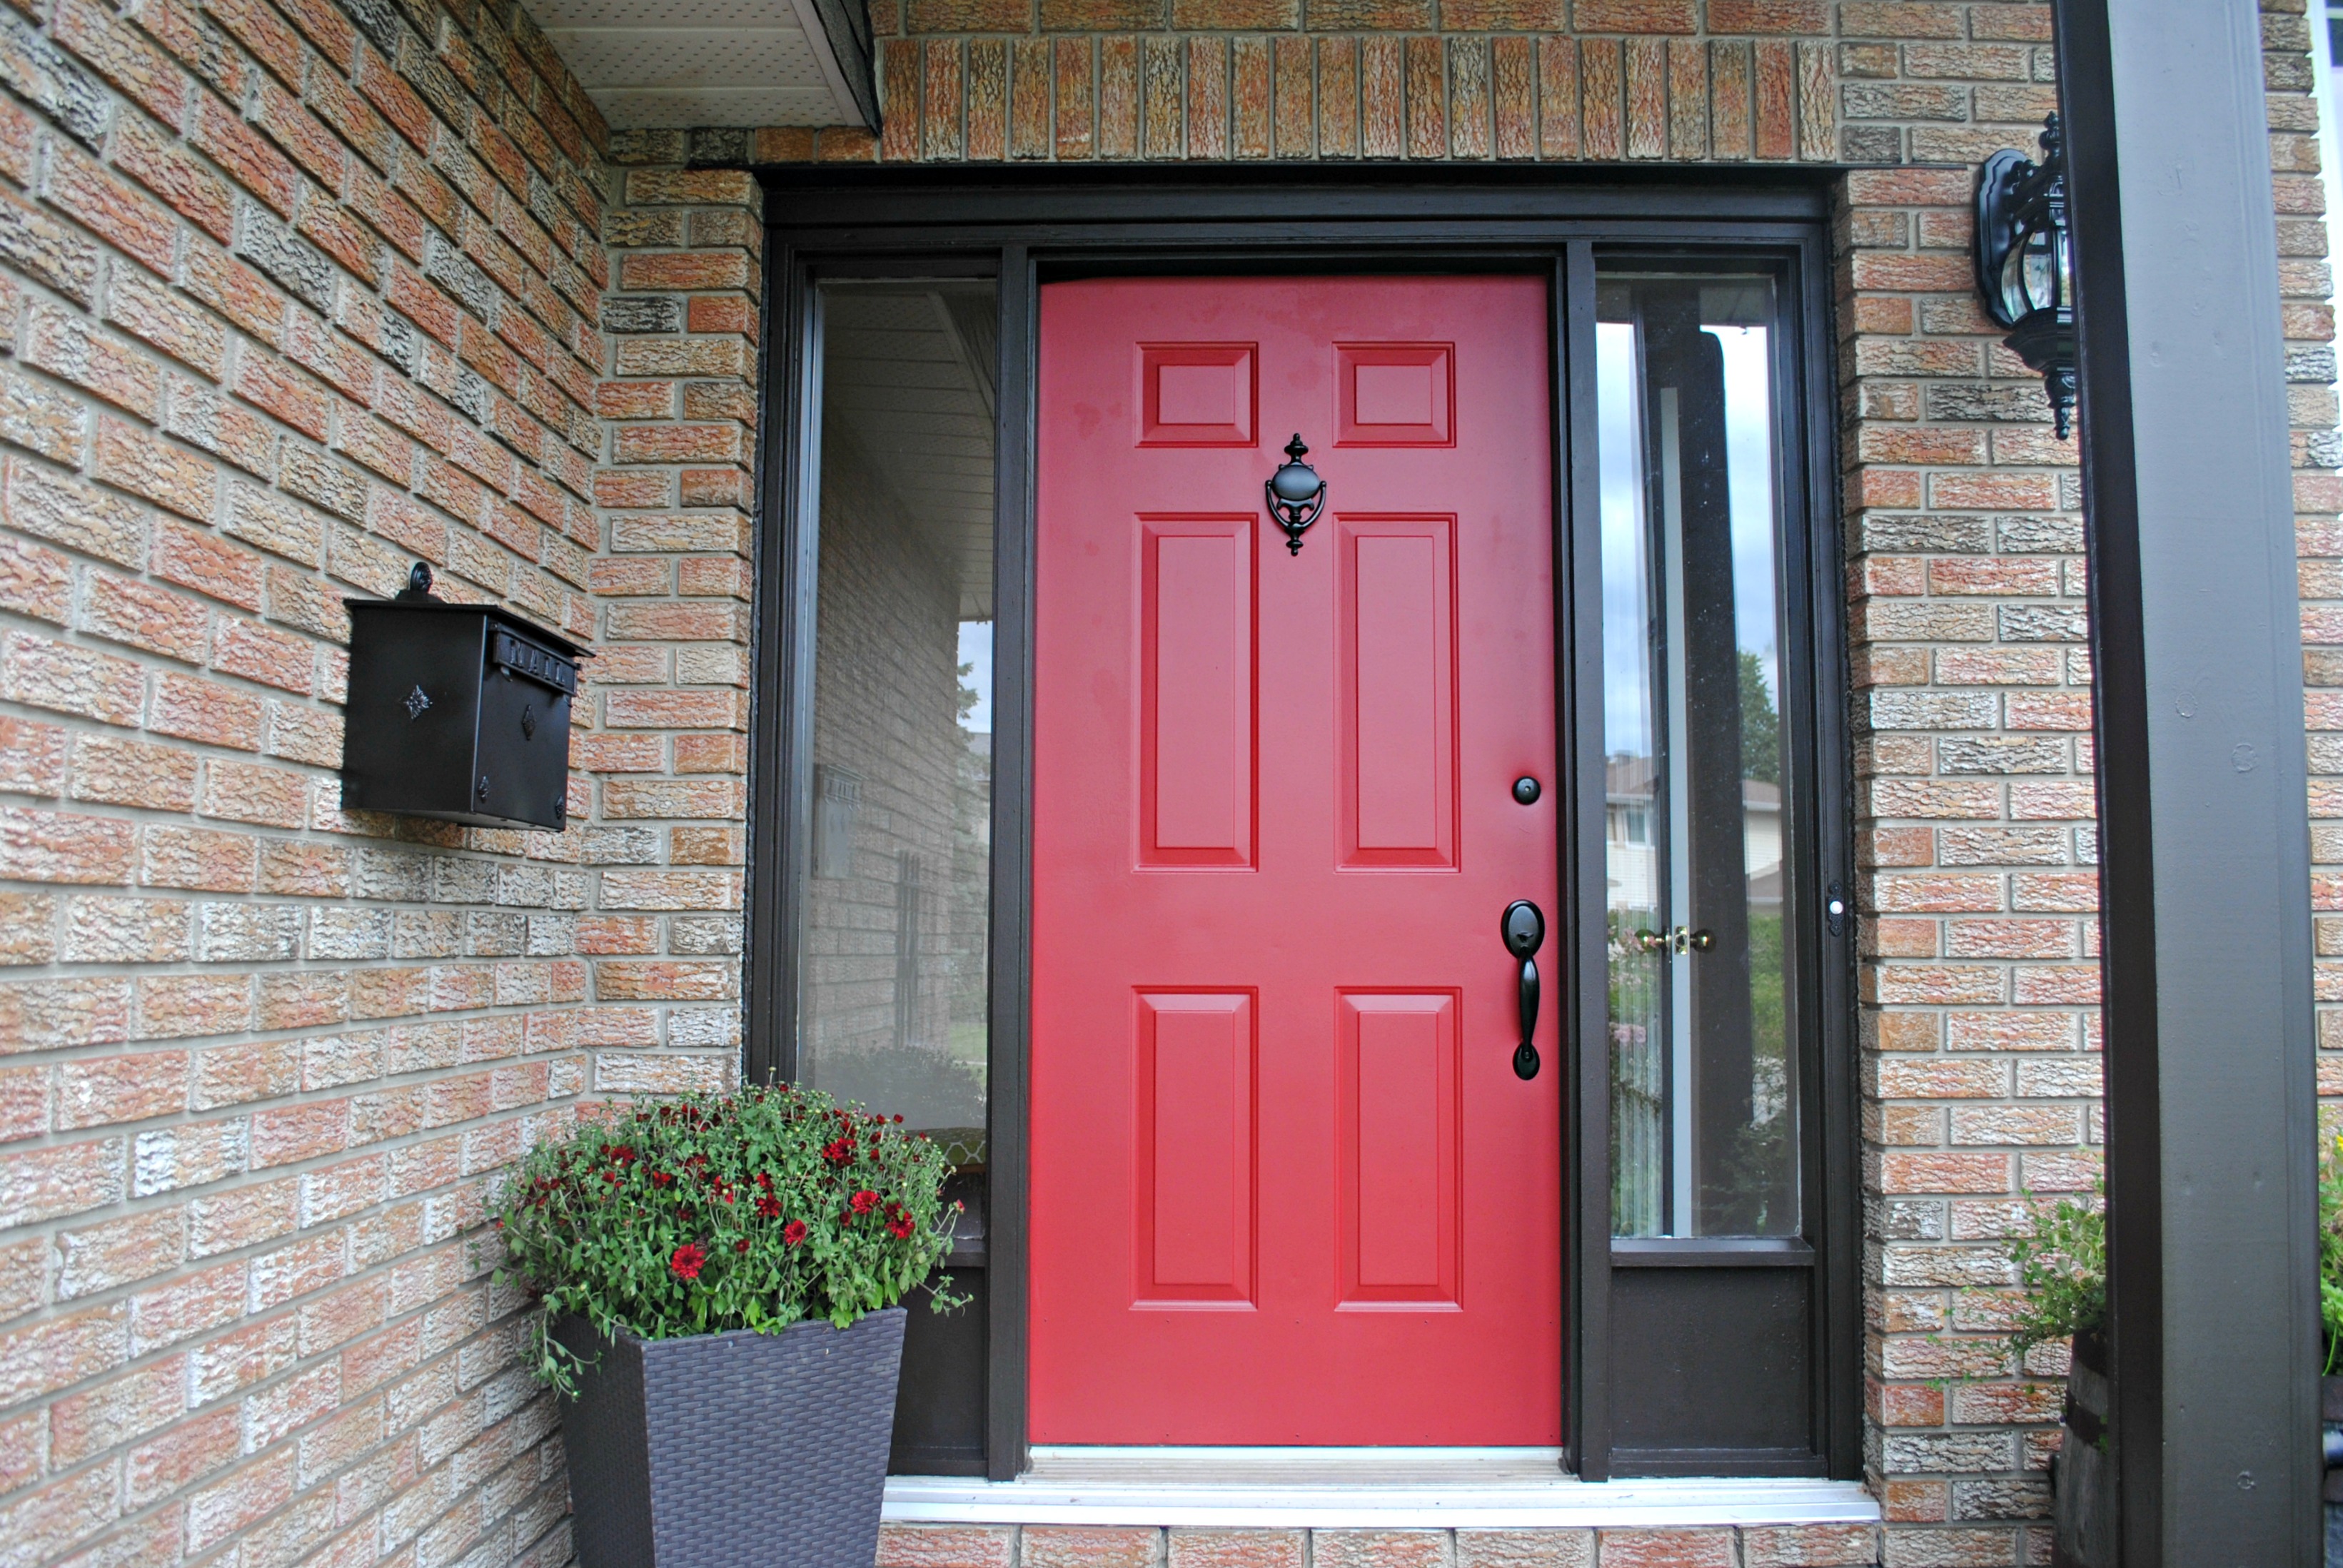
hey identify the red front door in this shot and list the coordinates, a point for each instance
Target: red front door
(1287, 1187)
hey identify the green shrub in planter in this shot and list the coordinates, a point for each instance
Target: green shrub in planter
(2330, 1251)
(718, 1277)
(2062, 1261)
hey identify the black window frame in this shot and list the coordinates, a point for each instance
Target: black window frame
(1024, 227)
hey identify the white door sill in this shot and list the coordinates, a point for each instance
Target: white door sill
(1357, 1488)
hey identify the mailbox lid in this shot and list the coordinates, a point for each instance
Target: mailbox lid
(496, 615)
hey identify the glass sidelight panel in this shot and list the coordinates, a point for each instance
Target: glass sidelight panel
(1698, 824)
(892, 996)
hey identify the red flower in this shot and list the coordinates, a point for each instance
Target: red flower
(622, 1153)
(899, 1120)
(741, 1245)
(839, 1151)
(794, 1231)
(899, 1219)
(769, 1207)
(765, 1180)
(864, 1202)
(689, 1260)
(661, 1178)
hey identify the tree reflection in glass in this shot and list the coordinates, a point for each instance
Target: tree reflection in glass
(1704, 1102)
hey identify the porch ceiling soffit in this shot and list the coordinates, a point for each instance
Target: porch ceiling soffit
(673, 63)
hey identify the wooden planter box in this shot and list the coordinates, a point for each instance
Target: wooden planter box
(2082, 1513)
(737, 1450)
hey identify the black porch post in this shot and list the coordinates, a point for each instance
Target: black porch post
(2205, 854)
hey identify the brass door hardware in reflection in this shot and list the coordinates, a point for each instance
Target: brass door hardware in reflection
(1677, 941)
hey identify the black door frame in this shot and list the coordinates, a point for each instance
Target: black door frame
(1023, 225)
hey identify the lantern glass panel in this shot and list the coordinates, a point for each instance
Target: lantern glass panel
(2030, 279)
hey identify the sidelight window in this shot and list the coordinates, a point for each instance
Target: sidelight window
(893, 926)
(1702, 1075)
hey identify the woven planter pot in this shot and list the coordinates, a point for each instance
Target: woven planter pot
(737, 1450)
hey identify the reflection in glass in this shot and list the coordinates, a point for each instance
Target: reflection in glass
(892, 975)
(1703, 1113)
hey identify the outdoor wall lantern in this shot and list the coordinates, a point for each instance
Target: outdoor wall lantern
(1296, 494)
(2023, 264)
(457, 711)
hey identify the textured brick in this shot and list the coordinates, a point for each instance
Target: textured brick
(946, 1546)
(1524, 1549)
(1379, 1548)
(1071, 1546)
(116, 771)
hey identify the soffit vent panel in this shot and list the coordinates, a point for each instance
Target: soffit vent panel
(652, 64)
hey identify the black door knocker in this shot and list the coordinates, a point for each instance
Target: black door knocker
(1296, 494)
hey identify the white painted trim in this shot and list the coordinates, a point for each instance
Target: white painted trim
(1353, 1488)
(833, 75)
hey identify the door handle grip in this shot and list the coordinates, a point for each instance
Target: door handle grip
(1525, 1055)
(1524, 929)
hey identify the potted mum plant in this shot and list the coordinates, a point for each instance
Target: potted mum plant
(718, 1278)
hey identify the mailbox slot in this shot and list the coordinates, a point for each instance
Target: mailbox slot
(517, 656)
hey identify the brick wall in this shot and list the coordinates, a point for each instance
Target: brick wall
(672, 675)
(290, 296)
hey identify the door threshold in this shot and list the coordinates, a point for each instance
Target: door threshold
(1358, 1488)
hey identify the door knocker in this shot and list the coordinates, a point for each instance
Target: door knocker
(1296, 494)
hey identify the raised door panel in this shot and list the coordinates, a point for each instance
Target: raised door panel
(1196, 394)
(1398, 720)
(1397, 1084)
(1396, 394)
(1196, 1147)
(1196, 702)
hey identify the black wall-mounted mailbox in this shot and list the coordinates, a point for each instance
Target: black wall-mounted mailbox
(457, 711)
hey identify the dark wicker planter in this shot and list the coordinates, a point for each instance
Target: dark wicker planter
(2083, 1523)
(2330, 1429)
(732, 1451)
